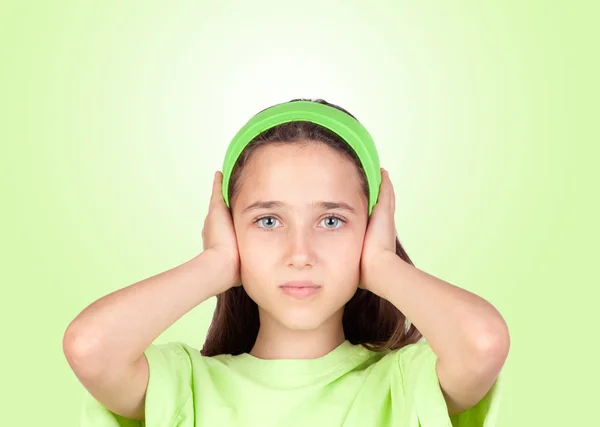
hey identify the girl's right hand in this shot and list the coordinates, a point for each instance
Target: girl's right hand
(218, 233)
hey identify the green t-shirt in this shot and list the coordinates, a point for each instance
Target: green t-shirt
(351, 386)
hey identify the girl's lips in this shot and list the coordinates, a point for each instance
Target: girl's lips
(300, 291)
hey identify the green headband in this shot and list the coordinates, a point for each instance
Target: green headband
(344, 125)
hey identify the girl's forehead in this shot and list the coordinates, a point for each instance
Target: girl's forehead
(293, 189)
(299, 161)
(300, 176)
(315, 179)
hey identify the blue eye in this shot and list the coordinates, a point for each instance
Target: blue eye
(260, 220)
(335, 218)
(269, 224)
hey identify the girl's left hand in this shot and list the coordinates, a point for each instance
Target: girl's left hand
(380, 236)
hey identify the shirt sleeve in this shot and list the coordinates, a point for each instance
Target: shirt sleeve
(418, 366)
(169, 390)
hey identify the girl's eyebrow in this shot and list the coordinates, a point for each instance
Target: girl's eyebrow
(270, 204)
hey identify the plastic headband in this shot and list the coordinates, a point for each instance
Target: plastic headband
(344, 125)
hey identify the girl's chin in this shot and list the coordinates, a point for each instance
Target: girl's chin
(305, 320)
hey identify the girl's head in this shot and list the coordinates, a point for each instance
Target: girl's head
(299, 203)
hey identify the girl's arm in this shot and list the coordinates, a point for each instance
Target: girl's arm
(467, 334)
(104, 344)
(465, 331)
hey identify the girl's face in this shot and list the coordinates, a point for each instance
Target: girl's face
(298, 238)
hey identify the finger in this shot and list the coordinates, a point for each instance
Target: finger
(217, 188)
(384, 190)
(392, 193)
(389, 194)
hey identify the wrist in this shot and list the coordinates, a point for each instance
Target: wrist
(380, 272)
(222, 269)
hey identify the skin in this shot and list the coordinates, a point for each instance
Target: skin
(299, 241)
(468, 335)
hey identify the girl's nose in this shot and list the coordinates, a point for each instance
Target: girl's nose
(300, 250)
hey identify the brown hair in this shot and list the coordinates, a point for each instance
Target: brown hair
(368, 319)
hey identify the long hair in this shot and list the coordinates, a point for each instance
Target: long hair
(368, 319)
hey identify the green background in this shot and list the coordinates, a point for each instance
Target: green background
(115, 115)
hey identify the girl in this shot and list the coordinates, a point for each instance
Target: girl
(314, 296)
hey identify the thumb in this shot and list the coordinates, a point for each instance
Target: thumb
(217, 195)
(385, 194)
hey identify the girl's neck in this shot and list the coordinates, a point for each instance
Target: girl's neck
(275, 341)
